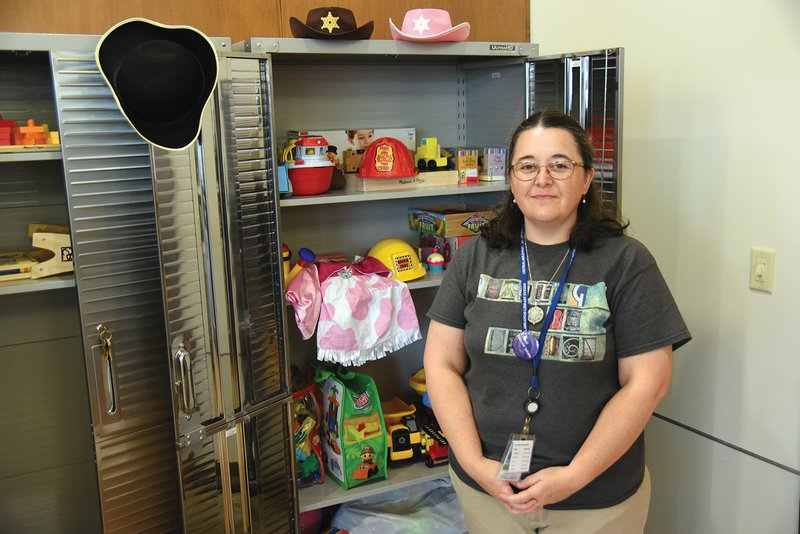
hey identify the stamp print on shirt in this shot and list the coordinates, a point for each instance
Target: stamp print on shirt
(499, 289)
(576, 334)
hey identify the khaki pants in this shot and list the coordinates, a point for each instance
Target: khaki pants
(486, 515)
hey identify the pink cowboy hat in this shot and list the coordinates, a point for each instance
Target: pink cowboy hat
(429, 25)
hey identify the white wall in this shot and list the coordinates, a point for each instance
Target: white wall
(711, 138)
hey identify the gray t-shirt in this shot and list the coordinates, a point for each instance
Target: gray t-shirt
(615, 304)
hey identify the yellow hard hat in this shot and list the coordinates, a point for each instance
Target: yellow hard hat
(398, 257)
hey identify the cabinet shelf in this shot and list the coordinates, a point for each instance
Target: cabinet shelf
(40, 284)
(298, 50)
(329, 493)
(344, 196)
(429, 280)
(48, 154)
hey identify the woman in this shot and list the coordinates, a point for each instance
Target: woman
(587, 387)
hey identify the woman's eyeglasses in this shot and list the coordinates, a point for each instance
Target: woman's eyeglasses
(561, 169)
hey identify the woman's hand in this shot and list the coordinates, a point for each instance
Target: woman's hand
(548, 486)
(485, 474)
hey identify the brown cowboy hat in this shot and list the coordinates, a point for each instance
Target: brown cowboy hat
(330, 23)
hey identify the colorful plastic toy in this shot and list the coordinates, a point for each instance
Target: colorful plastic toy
(307, 256)
(286, 256)
(398, 257)
(435, 261)
(387, 157)
(433, 446)
(402, 429)
(310, 169)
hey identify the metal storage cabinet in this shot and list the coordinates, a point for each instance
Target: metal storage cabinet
(177, 260)
(465, 94)
(233, 471)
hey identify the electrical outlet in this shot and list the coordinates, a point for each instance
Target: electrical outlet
(762, 269)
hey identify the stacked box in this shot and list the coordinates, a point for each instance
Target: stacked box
(447, 227)
(492, 164)
(467, 165)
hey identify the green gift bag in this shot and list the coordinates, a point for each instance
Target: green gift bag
(354, 434)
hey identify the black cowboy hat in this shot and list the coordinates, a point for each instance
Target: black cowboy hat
(161, 76)
(330, 23)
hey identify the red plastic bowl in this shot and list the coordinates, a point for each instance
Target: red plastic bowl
(310, 180)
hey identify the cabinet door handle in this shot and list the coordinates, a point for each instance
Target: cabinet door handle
(184, 383)
(583, 66)
(109, 379)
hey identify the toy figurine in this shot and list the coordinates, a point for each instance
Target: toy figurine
(435, 261)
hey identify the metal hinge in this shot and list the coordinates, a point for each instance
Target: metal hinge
(192, 438)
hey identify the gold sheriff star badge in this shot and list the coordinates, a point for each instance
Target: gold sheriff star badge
(329, 22)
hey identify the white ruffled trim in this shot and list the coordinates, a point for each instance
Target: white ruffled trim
(397, 341)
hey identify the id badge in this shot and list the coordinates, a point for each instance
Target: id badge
(517, 457)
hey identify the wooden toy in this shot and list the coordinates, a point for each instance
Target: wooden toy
(430, 156)
(30, 135)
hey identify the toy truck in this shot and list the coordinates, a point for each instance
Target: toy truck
(433, 446)
(430, 156)
(402, 429)
(404, 439)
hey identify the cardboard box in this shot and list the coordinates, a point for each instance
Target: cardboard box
(492, 164)
(450, 221)
(467, 165)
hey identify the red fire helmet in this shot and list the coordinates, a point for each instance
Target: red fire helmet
(387, 157)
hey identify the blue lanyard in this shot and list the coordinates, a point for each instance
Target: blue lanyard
(551, 310)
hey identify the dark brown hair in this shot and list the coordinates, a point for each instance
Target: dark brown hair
(596, 217)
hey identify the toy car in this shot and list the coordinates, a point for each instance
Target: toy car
(430, 156)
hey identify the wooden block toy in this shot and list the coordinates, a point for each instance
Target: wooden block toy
(61, 247)
(7, 131)
(32, 134)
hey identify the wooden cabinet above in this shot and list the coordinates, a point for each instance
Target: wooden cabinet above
(246, 18)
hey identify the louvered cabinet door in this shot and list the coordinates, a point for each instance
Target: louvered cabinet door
(216, 212)
(250, 219)
(240, 478)
(262, 441)
(110, 199)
